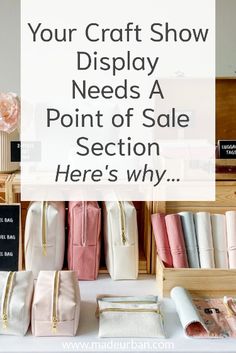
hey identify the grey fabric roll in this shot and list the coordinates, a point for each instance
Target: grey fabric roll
(190, 239)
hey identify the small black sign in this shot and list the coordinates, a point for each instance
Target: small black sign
(9, 237)
(15, 151)
(227, 149)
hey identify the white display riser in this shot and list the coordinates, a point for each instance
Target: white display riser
(87, 340)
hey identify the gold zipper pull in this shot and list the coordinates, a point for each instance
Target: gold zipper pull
(4, 322)
(6, 300)
(122, 219)
(123, 237)
(55, 302)
(44, 228)
(54, 324)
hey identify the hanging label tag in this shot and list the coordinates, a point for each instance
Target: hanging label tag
(227, 149)
(10, 234)
(15, 151)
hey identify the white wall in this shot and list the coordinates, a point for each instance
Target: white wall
(10, 42)
(226, 37)
(10, 45)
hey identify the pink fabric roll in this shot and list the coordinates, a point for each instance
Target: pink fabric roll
(231, 237)
(161, 237)
(176, 241)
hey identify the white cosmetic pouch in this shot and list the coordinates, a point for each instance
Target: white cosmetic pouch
(16, 291)
(130, 317)
(121, 239)
(45, 236)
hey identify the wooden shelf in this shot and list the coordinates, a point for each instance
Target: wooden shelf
(225, 169)
(10, 189)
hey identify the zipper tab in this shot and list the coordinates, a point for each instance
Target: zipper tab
(44, 228)
(122, 220)
(6, 300)
(4, 322)
(55, 301)
(54, 324)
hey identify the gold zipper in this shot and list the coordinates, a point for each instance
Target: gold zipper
(84, 235)
(133, 302)
(130, 302)
(129, 310)
(55, 301)
(6, 300)
(44, 228)
(122, 219)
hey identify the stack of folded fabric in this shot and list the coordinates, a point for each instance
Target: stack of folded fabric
(196, 240)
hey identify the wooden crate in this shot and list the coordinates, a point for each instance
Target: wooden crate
(212, 282)
(199, 282)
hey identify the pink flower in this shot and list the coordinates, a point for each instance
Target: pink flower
(9, 112)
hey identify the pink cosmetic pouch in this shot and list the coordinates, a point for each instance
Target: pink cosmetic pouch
(161, 238)
(176, 241)
(56, 304)
(84, 222)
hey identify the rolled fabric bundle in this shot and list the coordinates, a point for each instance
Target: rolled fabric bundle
(219, 236)
(190, 318)
(176, 241)
(231, 237)
(204, 238)
(190, 239)
(161, 238)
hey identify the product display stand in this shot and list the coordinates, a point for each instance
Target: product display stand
(88, 341)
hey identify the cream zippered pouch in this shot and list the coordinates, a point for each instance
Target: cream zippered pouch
(130, 317)
(16, 291)
(56, 304)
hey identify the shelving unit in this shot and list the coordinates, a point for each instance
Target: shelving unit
(10, 193)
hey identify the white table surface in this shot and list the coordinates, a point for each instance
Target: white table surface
(87, 340)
